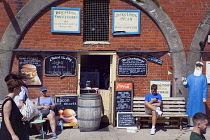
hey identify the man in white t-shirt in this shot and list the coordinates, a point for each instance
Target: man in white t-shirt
(23, 95)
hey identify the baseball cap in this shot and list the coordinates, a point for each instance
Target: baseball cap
(199, 63)
(43, 88)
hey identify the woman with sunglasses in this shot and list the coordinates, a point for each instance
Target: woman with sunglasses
(45, 102)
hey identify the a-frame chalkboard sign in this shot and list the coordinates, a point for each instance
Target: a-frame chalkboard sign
(123, 98)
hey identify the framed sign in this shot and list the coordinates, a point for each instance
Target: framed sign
(58, 65)
(132, 66)
(164, 87)
(65, 20)
(67, 109)
(126, 120)
(125, 22)
(31, 69)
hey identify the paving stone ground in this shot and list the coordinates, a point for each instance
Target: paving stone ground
(113, 133)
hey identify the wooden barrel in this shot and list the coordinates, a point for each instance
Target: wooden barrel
(89, 112)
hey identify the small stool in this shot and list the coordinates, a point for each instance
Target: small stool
(41, 122)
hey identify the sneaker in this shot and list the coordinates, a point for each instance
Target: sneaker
(152, 131)
(160, 113)
(188, 128)
(42, 132)
(54, 136)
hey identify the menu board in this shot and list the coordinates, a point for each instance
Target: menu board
(31, 69)
(126, 119)
(132, 66)
(123, 99)
(58, 65)
(67, 109)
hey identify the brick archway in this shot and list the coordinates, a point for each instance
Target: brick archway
(11, 37)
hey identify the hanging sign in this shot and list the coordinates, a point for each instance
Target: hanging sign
(132, 66)
(154, 59)
(60, 65)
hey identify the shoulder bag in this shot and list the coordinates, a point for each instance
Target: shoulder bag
(29, 109)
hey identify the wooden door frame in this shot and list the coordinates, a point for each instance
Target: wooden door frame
(113, 61)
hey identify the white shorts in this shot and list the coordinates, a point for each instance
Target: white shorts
(149, 112)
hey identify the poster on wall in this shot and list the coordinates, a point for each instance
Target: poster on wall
(67, 109)
(208, 71)
(31, 69)
(125, 22)
(65, 20)
(164, 87)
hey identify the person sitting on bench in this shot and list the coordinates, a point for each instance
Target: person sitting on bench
(152, 104)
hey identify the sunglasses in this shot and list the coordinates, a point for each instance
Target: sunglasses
(44, 91)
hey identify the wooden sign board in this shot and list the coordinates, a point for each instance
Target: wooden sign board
(126, 120)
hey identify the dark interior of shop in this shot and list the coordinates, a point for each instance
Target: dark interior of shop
(96, 69)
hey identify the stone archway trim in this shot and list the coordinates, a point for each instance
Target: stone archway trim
(200, 35)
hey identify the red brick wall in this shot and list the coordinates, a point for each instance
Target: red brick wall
(185, 15)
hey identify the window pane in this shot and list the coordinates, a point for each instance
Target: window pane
(96, 20)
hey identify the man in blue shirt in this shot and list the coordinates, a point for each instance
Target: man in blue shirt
(152, 104)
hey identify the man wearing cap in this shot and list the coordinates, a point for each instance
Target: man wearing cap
(197, 92)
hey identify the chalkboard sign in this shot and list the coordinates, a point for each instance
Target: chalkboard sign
(67, 109)
(58, 65)
(154, 59)
(123, 101)
(126, 119)
(132, 66)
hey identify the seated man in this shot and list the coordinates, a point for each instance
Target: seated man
(152, 104)
(200, 122)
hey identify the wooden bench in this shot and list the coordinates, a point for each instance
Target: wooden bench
(173, 108)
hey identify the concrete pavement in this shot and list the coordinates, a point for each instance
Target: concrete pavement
(113, 133)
